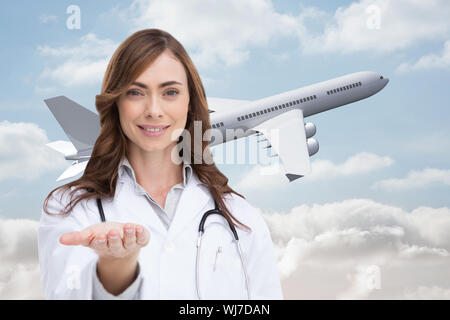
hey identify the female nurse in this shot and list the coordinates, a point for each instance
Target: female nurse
(153, 195)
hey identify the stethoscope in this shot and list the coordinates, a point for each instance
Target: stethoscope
(201, 231)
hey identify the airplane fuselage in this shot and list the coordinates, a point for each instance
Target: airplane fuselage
(311, 100)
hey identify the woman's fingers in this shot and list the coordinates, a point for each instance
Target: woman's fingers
(100, 244)
(142, 236)
(129, 241)
(76, 238)
(115, 242)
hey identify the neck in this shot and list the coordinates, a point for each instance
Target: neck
(155, 170)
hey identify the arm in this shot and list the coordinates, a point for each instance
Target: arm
(66, 273)
(69, 272)
(116, 274)
(130, 293)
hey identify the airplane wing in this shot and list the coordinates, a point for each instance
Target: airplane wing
(286, 134)
(220, 105)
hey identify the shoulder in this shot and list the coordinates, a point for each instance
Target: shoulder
(245, 212)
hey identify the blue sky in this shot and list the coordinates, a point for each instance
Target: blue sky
(406, 121)
(385, 156)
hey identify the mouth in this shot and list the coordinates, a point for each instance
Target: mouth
(153, 131)
(153, 128)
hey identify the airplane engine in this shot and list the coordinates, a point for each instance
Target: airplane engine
(310, 129)
(313, 146)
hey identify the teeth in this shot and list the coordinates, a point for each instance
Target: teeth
(153, 130)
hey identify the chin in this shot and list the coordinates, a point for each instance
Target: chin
(155, 146)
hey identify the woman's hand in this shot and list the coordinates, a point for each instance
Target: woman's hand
(117, 246)
(110, 240)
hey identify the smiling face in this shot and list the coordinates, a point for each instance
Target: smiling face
(158, 97)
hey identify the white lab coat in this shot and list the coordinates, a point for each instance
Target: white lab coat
(168, 261)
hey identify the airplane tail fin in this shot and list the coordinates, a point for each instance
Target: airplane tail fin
(81, 125)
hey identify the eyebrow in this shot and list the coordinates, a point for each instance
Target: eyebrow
(161, 85)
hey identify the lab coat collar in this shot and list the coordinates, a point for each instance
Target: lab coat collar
(126, 166)
(192, 202)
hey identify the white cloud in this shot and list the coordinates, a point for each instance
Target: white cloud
(360, 249)
(83, 63)
(19, 270)
(24, 153)
(381, 26)
(222, 32)
(427, 293)
(415, 179)
(354, 249)
(361, 163)
(364, 280)
(430, 61)
(263, 178)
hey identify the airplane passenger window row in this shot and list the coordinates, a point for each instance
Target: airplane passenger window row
(279, 107)
(350, 86)
(216, 125)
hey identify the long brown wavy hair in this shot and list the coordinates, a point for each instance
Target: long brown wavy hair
(129, 60)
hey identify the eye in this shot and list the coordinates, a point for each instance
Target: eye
(133, 92)
(174, 93)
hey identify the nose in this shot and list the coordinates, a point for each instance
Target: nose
(153, 108)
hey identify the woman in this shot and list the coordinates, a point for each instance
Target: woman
(152, 195)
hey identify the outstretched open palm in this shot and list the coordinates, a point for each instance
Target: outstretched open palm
(110, 239)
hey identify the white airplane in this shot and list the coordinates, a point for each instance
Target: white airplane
(283, 114)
